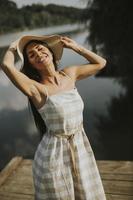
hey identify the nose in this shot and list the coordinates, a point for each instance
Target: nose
(38, 53)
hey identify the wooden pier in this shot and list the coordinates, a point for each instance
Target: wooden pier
(16, 180)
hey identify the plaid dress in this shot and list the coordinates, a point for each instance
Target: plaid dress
(64, 166)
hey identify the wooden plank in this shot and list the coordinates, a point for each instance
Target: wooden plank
(22, 180)
(10, 167)
(17, 188)
(118, 197)
(27, 162)
(105, 167)
(118, 187)
(14, 196)
(115, 167)
(120, 177)
(117, 178)
(121, 167)
(22, 171)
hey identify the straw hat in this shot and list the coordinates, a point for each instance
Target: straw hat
(53, 42)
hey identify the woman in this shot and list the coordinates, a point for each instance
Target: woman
(64, 165)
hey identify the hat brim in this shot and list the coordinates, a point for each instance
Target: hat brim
(53, 41)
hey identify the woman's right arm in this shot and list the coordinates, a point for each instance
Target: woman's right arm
(20, 80)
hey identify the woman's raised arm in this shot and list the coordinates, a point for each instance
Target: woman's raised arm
(95, 64)
(20, 80)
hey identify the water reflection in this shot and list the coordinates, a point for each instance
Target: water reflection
(116, 129)
(18, 132)
(110, 33)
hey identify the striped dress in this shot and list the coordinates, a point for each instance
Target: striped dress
(64, 166)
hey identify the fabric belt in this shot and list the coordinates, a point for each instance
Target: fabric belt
(70, 137)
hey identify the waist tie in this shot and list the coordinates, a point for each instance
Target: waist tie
(70, 137)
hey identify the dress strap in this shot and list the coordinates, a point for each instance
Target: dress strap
(66, 74)
(68, 77)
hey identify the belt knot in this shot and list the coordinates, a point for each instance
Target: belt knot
(70, 137)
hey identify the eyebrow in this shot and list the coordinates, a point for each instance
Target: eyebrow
(30, 51)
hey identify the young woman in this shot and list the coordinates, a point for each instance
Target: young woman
(64, 166)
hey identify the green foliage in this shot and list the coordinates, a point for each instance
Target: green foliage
(34, 16)
(111, 29)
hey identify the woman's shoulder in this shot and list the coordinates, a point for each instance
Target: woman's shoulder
(69, 72)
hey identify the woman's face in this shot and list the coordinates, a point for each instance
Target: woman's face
(39, 55)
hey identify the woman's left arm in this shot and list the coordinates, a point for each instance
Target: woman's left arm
(95, 64)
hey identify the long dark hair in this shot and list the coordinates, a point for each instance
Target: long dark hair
(32, 73)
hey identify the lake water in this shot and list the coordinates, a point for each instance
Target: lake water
(18, 135)
(6, 39)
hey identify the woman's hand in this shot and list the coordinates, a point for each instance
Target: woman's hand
(9, 57)
(69, 43)
(13, 45)
(89, 55)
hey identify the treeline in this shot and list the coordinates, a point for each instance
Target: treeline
(110, 32)
(35, 16)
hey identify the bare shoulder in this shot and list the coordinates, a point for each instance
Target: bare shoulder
(70, 71)
(83, 71)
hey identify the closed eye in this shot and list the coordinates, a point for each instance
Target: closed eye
(39, 49)
(31, 55)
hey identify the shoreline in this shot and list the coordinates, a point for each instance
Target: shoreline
(61, 29)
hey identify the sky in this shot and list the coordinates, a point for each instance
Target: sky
(74, 3)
